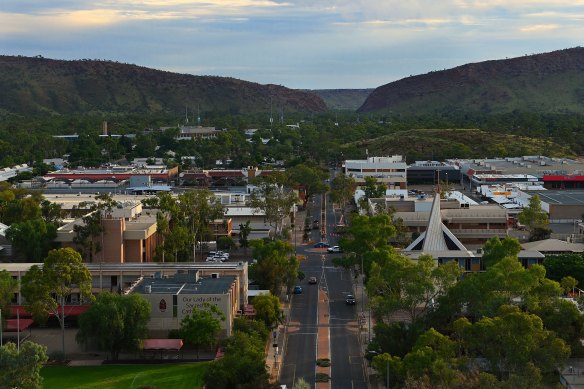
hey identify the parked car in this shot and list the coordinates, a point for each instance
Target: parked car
(335, 249)
(350, 299)
(297, 289)
(312, 280)
(321, 245)
(315, 225)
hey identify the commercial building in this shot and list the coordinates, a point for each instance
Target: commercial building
(432, 172)
(391, 171)
(562, 206)
(117, 173)
(529, 168)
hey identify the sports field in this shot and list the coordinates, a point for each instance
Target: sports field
(179, 376)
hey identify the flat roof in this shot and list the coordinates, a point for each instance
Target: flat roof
(560, 197)
(185, 284)
(146, 267)
(537, 165)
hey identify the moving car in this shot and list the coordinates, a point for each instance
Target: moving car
(350, 299)
(297, 289)
(335, 249)
(321, 245)
(312, 280)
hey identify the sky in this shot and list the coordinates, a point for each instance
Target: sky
(302, 44)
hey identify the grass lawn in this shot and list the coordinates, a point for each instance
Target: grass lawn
(184, 375)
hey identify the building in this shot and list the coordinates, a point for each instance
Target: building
(432, 172)
(124, 278)
(129, 235)
(441, 243)
(174, 297)
(117, 173)
(471, 223)
(562, 206)
(530, 168)
(11, 172)
(391, 171)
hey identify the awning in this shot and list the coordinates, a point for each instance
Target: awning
(162, 344)
(14, 325)
(70, 310)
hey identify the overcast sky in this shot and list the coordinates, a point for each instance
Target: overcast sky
(309, 44)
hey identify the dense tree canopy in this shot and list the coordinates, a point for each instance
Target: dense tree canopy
(20, 367)
(115, 323)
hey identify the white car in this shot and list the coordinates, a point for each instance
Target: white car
(335, 249)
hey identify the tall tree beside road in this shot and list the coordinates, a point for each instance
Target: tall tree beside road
(202, 326)
(47, 288)
(535, 219)
(20, 367)
(115, 323)
(267, 307)
(311, 178)
(342, 190)
(276, 266)
(274, 201)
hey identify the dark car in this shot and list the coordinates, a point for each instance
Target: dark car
(297, 289)
(321, 245)
(350, 299)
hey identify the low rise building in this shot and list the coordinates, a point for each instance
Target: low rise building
(391, 171)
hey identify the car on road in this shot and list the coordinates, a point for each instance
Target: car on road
(321, 245)
(350, 299)
(297, 289)
(312, 280)
(335, 249)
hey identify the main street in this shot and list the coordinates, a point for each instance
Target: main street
(299, 361)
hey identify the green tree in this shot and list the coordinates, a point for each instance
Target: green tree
(202, 326)
(8, 287)
(274, 200)
(564, 265)
(310, 178)
(47, 288)
(301, 384)
(397, 283)
(496, 340)
(244, 231)
(535, 219)
(342, 190)
(21, 368)
(115, 323)
(373, 189)
(496, 249)
(33, 238)
(276, 266)
(183, 221)
(563, 318)
(568, 284)
(242, 367)
(267, 307)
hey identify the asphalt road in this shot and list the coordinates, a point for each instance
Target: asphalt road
(347, 368)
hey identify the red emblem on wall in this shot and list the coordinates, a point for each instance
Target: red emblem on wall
(162, 305)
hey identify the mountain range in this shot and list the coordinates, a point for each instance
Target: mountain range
(545, 83)
(36, 86)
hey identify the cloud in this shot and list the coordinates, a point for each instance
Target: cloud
(539, 28)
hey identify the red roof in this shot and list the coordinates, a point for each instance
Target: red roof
(12, 325)
(70, 310)
(563, 178)
(162, 344)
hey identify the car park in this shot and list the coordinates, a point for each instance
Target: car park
(312, 280)
(350, 299)
(321, 245)
(297, 289)
(335, 249)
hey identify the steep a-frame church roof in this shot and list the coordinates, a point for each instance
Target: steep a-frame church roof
(437, 240)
